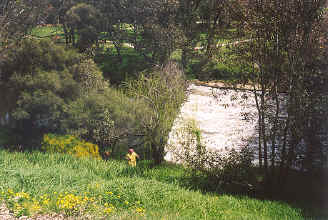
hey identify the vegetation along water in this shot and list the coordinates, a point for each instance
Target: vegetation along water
(83, 81)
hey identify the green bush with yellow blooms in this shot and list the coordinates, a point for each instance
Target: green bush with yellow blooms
(70, 145)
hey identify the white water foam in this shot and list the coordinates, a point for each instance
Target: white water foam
(221, 116)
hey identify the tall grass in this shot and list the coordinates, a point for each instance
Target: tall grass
(158, 189)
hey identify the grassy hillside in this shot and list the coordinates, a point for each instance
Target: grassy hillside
(33, 183)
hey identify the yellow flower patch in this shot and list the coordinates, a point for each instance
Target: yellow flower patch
(68, 203)
(70, 145)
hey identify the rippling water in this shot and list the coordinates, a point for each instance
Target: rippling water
(227, 118)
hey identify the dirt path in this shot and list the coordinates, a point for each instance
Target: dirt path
(6, 215)
(223, 85)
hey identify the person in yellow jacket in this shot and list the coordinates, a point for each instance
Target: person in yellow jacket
(132, 157)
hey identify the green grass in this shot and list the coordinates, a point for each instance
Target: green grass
(131, 62)
(158, 190)
(47, 31)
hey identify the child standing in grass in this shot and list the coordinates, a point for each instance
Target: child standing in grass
(132, 157)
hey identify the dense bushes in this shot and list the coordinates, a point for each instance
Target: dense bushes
(231, 171)
(106, 118)
(5, 137)
(43, 80)
(56, 91)
(162, 91)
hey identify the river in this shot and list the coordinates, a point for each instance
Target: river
(226, 118)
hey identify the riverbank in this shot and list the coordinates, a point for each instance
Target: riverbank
(37, 184)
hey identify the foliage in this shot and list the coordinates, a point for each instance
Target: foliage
(284, 61)
(118, 68)
(83, 19)
(231, 171)
(163, 91)
(105, 119)
(147, 26)
(70, 204)
(70, 145)
(48, 31)
(88, 75)
(56, 91)
(5, 137)
(203, 24)
(43, 79)
(17, 17)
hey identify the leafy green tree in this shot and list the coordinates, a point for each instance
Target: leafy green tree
(42, 79)
(107, 118)
(83, 19)
(56, 90)
(163, 92)
(75, 15)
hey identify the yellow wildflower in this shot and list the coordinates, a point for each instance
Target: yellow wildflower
(108, 211)
(35, 207)
(22, 195)
(140, 210)
(10, 191)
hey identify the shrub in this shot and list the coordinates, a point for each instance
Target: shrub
(42, 79)
(4, 137)
(8, 137)
(117, 68)
(108, 119)
(162, 92)
(69, 144)
(232, 170)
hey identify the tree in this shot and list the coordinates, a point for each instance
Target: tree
(162, 91)
(153, 26)
(202, 21)
(285, 65)
(42, 79)
(107, 118)
(82, 19)
(16, 18)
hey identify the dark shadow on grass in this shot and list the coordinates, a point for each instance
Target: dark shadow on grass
(302, 192)
(183, 177)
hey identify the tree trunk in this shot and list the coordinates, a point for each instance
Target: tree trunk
(184, 58)
(73, 37)
(263, 129)
(67, 38)
(118, 50)
(259, 129)
(283, 152)
(275, 129)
